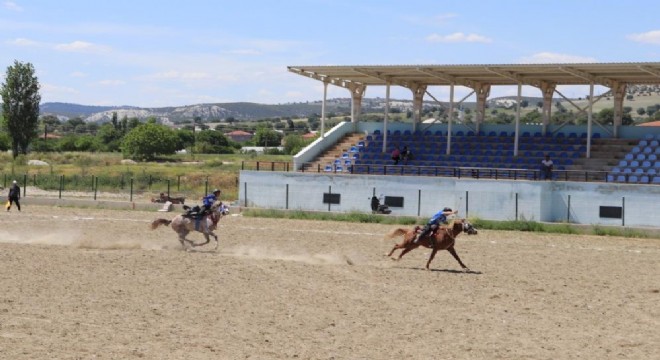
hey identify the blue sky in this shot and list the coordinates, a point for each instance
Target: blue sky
(164, 53)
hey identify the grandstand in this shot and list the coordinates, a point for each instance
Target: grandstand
(605, 174)
(501, 151)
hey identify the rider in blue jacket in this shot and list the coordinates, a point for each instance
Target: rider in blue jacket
(209, 199)
(439, 218)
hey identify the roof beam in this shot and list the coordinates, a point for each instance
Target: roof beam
(649, 70)
(444, 76)
(586, 76)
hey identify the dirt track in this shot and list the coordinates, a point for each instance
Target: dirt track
(98, 284)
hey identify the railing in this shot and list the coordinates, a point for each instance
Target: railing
(444, 171)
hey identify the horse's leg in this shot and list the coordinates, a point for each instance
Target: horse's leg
(216, 241)
(396, 246)
(455, 255)
(406, 250)
(206, 237)
(435, 250)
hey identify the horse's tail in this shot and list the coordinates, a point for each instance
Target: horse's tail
(158, 222)
(397, 232)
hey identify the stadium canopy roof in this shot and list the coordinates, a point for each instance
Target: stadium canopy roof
(605, 74)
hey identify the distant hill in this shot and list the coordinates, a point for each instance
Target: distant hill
(642, 96)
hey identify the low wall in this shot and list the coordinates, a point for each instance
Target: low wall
(100, 204)
(547, 201)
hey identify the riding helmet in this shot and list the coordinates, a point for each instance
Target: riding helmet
(446, 209)
(216, 191)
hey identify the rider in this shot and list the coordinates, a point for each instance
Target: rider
(209, 199)
(434, 221)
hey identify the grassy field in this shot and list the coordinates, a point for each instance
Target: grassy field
(188, 175)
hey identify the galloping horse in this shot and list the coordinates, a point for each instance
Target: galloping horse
(444, 236)
(183, 225)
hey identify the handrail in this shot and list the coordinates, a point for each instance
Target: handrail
(443, 171)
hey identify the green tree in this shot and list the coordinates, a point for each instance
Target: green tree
(293, 144)
(267, 137)
(147, 141)
(20, 105)
(109, 136)
(212, 142)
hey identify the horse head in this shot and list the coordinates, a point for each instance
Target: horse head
(468, 228)
(220, 208)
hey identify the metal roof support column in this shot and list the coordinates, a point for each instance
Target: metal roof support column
(619, 91)
(387, 115)
(418, 100)
(325, 96)
(548, 90)
(517, 135)
(590, 118)
(482, 91)
(451, 117)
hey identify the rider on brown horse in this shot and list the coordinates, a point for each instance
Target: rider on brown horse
(439, 218)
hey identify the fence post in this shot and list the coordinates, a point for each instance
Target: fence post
(25, 179)
(516, 206)
(178, 183)
(287, 197)
(245, 192)
(131, 198)
(419, 202)
(623, 211)
(206, 186)
(568, 210)
(61, 185)
(467, 203)
(168, 187)
(96, 186)
(329, 192)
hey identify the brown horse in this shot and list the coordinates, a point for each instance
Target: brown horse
(163, 198)
(183, 225)
(444, 236)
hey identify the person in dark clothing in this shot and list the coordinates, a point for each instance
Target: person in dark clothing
(14, 196)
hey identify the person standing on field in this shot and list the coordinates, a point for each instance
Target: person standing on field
(14, 195)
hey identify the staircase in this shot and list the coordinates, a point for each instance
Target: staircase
(605, 154)
(334, 152)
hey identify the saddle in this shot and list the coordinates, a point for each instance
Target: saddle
(194, 213)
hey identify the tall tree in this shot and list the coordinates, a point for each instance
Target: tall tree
(20, 105)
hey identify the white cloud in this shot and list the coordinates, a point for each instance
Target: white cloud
(555, 58)
(458, 37)
(78, 74)
(650, 37)
(23, 42)
(82, 47)
(10, 5)
(112, 82)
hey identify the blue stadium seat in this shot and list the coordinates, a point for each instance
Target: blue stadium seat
(642, 143)
(646, 164)
(656, 180)
(616, 170)
(648, 137)
(634, 163)
(633, 179)
(623, 163)
(636, 150)
(627, 171)
(654, 143)
(621, 178)
(647, 150)
(629, 157)
(638, 171)
(610, 178)
(644, 179)
(640, 157)
(328, 168)
(651, 172)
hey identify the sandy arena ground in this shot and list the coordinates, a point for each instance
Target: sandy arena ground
(99, 284)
